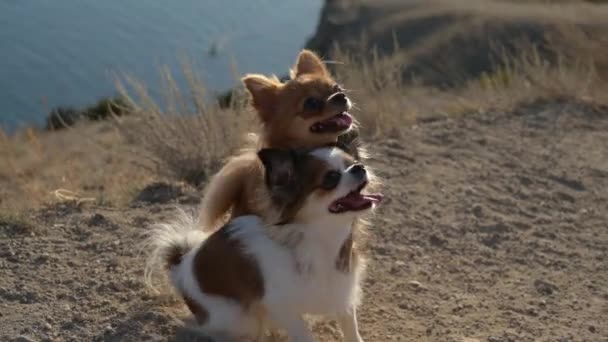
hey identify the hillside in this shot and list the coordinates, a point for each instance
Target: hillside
(447, 42)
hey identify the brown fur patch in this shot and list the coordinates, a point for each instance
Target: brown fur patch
(223, 269)
(248, 200)
(239, 187)
(310, 175)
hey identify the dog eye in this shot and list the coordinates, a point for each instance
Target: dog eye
(331, 180)
(312, 105)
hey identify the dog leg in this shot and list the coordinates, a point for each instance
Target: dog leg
(348, 324)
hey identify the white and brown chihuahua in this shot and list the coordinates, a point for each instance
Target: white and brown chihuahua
(250, 276)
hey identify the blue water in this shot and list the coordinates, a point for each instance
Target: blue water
(68, 52)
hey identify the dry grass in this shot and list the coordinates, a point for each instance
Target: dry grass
(87, 163)
(188, 139)
(385, 103)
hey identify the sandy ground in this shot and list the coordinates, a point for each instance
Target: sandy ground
(495, 229)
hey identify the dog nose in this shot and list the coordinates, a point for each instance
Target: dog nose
(338, 98)
(358, 170)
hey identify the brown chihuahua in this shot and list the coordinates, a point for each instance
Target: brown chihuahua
(310, 110)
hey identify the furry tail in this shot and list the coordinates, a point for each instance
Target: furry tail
(224, 191)
(168, 242)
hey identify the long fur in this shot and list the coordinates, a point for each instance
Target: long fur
(225, 189)
(168, 242)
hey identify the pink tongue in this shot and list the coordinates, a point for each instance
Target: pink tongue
(354, 200)
(341, 120)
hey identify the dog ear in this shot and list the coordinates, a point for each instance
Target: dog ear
(309, 63)
(280, 173)
(263, 92)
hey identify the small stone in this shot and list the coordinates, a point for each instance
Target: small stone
(41, 259)
(532, 311)
(98, 220)
(78, 317)
(437, 241)
(68, 325)
(592, 329)
(395, 270)
(544, 287)
(477, 210)
(108, 330)
(416, 285)
(381, 250)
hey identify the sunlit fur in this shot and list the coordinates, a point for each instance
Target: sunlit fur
(285, 123)
(297, 262)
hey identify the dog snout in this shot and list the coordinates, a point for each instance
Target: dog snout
(338, 99)
(358, 170)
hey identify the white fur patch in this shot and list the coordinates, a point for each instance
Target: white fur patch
(332, 156)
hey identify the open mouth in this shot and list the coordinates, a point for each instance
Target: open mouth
(336, 123)
(355, 201)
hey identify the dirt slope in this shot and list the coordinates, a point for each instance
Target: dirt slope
(495, 230)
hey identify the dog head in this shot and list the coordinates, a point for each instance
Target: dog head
(314, 185)
(309, 110)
